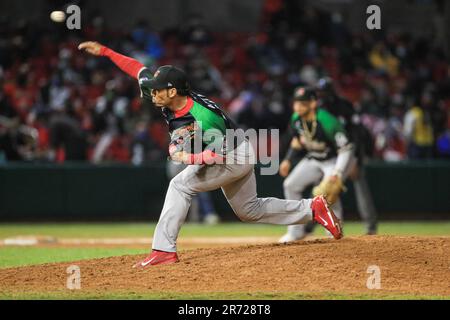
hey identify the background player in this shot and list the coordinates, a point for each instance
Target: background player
(361, 138)
(343, 109)
(325, 149)
(187, 115)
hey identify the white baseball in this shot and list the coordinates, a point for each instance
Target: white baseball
(58, 16)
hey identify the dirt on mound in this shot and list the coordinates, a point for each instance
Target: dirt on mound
(408, 265)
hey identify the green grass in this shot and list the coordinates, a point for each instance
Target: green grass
(126, 295)
(22, 256)
(119, 230)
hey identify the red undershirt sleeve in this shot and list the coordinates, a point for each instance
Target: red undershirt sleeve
(126, 64)
(205, 157)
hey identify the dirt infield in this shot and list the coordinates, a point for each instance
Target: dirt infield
(408, 265)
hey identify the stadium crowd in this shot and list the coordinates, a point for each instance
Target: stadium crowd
(58, 104)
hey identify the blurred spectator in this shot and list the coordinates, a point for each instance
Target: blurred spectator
(67, 140)
(251, 75)
(143, 148)
(443, 145)
(9, 121)
(108, 118)
(17, 141)
(195, 32)
(383, 60)
(418, 132)
(146, 40)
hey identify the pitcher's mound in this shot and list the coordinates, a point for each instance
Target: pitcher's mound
(406, 265)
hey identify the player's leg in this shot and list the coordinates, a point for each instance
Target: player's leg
(242, 197)
(305, 173)
(189, 182)
(172, 169)
(364, 202)
(239, 185)
(326, 168)
(182, 188)
(176, 206)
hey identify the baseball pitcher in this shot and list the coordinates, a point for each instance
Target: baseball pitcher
(197, 127)
(321, 141)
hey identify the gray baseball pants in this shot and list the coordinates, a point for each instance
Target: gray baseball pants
(236, 177)
(364, 201)
(306, 173)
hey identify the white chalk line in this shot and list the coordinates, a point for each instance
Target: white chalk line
(33, 241)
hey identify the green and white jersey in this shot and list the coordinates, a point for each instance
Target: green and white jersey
(323, 138)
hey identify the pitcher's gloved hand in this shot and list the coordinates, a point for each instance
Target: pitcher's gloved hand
(181, 140)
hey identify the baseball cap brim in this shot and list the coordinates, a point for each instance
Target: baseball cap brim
(154, 84)
(303, 98)
(304, 94)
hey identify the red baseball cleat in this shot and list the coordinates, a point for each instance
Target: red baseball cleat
(157, 257)
(325, 216)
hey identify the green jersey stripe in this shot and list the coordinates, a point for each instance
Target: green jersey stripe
(207, 119)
